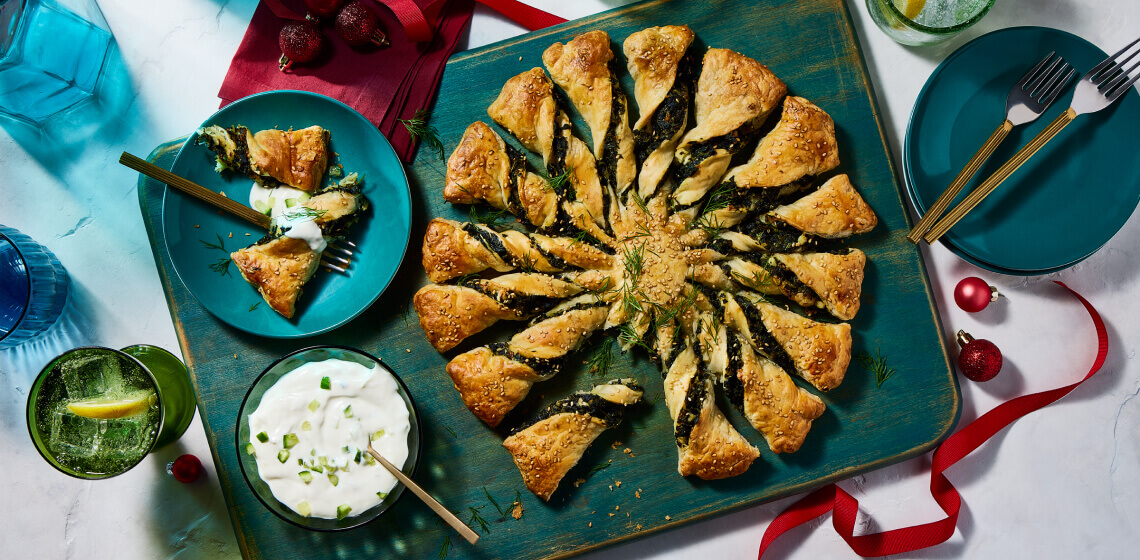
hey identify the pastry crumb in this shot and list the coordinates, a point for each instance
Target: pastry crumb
(231, 235)
(639, 526)
(617, 483)
(579, 482)
(611, 515)
(617, 508)
(637, 494)
(195, 225)
(591, 524)
(409, 350)
(517, 511)
(668, 518)
(223, 193)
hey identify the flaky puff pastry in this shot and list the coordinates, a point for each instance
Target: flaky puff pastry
(582, 69)
(833, 211)
(449, 314)
(551, 445)
(836, 278)
(492, 380)
(484, 169)
(653, 58)
(734, 96)
(278, 269)
(779, 409)
(802, 144)
(297, 158)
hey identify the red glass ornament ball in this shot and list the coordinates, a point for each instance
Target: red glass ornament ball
(358, 25)
(973, 294)
(323, 8)
(300, 41)
(979, 359)
(186, 468)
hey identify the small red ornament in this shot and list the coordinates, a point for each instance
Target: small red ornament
(359, 26)
(973, 294)
(186, 469)
(300, 41)
(980, 360)
(323, 8)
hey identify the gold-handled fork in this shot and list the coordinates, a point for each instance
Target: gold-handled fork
(1030, 97)
(334, 258)
(1097, 89)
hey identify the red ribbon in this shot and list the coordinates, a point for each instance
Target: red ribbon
(845, 508)
(416, 20)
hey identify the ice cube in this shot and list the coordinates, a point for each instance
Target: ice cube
(83, 377)
(126, 438)
(73, 436)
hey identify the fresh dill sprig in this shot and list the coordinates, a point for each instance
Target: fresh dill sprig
(876, 364)
(443, 549)
(598, 468)
(254, 306)
(756, 281)
(221, 246)
(476, 518)
(450, 431)
(720, 198)
(222, 266)
(494, 219)
(559, 182)
(305, 212)
(601, 291)
(525, 262)
(420, 130)
(666, 314)
(633, 260)
(637, 200)
(628, 336)
(602, 358)
(502, 514)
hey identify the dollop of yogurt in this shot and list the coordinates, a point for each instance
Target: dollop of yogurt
(284, 206)
(316, 422)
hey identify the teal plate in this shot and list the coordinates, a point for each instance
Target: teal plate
(329, 299)
(1064, 203)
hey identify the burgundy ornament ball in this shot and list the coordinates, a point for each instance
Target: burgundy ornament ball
(300, 41)
(979, 359)
(186, 468)
(323, 8)
(358, 25)
(973, 294)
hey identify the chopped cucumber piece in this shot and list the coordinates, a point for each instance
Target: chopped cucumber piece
(261, 207)
(249, 449)
(306, 476)
(357, 456)
(326, 383)
(314, 405)
(313, 452)
(344, 449)
(272, 202)
(348, 411)
(306, 426)
(301, 462)
(324, 461)
(283, 455)
(342, 511)
(304, 509)
(334, 479)
(369, 460)
(303, 197)
(290, 202)
(263, 437)
(290, 440)
(377, 435)
(382, 495)
(317, 468)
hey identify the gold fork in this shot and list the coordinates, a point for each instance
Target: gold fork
(334, 258)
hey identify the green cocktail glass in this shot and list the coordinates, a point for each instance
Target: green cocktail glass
(95, 412)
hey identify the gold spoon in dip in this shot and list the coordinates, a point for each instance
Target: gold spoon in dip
(427, 499)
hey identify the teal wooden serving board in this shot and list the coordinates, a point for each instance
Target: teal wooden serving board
(811, 45)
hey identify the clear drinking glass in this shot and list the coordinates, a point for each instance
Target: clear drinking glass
(95, 412)
(33, 288)
(52, 54)
(926, 22)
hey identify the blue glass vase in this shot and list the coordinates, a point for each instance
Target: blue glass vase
(33, 288)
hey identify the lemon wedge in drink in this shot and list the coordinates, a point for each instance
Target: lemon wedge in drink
(110, 408)
(910, 8)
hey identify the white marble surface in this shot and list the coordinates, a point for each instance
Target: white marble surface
(1061, 483)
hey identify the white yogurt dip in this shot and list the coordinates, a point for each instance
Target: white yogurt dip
(327, 430)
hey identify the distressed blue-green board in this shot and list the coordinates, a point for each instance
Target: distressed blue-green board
(811, 45)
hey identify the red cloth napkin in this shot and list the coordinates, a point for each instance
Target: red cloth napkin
(383, 84)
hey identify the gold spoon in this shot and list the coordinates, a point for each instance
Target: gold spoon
(427, 499)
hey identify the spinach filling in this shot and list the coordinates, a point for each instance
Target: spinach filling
(589, 404)
(671, 115)
(490, 240)
(733, 387)
(778, 237)
(550, 366)
(765, 343)
(517, 174)
(523, 304)
(690, 412)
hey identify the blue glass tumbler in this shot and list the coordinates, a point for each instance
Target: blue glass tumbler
(33, 288)
(52, 54)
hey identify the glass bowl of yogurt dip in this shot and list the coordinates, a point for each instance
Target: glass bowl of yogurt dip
(303, 430)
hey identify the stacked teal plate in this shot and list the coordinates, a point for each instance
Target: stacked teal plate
(1064, 203)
